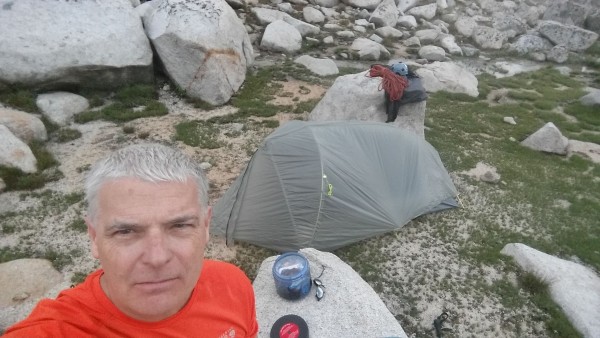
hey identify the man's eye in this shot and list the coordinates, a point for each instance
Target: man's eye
(181, 225)
(123, 232)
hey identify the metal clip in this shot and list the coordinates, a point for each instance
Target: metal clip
(320, 292)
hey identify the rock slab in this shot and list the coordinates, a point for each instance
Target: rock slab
(350, 307)
(574, 287)
(27, 278)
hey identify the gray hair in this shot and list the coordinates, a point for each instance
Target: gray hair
(149, 162)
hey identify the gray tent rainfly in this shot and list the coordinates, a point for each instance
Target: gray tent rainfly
(328, 184)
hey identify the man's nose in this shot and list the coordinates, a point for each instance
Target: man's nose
(157, 251)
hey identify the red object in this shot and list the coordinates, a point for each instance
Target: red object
(289, 326)
(221, 305)
(392, 83)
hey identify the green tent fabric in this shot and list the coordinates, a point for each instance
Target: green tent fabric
(328, 184)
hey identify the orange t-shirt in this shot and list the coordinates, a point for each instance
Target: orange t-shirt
(221, 306)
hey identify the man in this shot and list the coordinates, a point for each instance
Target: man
(148, 221)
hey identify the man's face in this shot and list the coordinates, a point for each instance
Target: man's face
(150, 240)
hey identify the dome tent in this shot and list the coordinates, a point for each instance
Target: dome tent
(328, 184)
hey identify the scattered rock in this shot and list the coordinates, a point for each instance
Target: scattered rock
(484, 172)
(587, 149)
(548, 139)
(322, 67)
(509, 120)
(15, 153)
(370, 50)
(60, 107)
(592, 98)
(280, 36)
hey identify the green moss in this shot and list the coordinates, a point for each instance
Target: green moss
(198, 134)
(64, 135)
(20, 99)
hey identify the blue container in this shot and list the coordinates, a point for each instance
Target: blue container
(291, 272)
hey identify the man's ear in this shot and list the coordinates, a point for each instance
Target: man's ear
(93, 236)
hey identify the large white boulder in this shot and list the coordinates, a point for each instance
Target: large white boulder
(48, 44)
(571, 37)
(203, 45)
(358, 97)
(349, 308)
(574, 287)
(449, 77)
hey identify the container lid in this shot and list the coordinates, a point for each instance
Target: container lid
(289, 326)
(290, 265)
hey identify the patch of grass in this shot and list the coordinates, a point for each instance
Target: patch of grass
(309, 45)
(524, 95)
(270, 123)
(78, 225)
(306, 106)
(64, 135)
(58, 259)
(258, 89)
(78, 277)
(53, 203)
(198, 134)
(248, 257)
(229, 118)
(7, 228)
(130, 103)
(8, 254)
(45, 159)
(201, 104)
(588, 116)
(136, 95)
(16, 179)
(558, 325)
(20, 99)
(544, 104)
(51, 127)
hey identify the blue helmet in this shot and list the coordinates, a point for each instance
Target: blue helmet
(400, 68)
